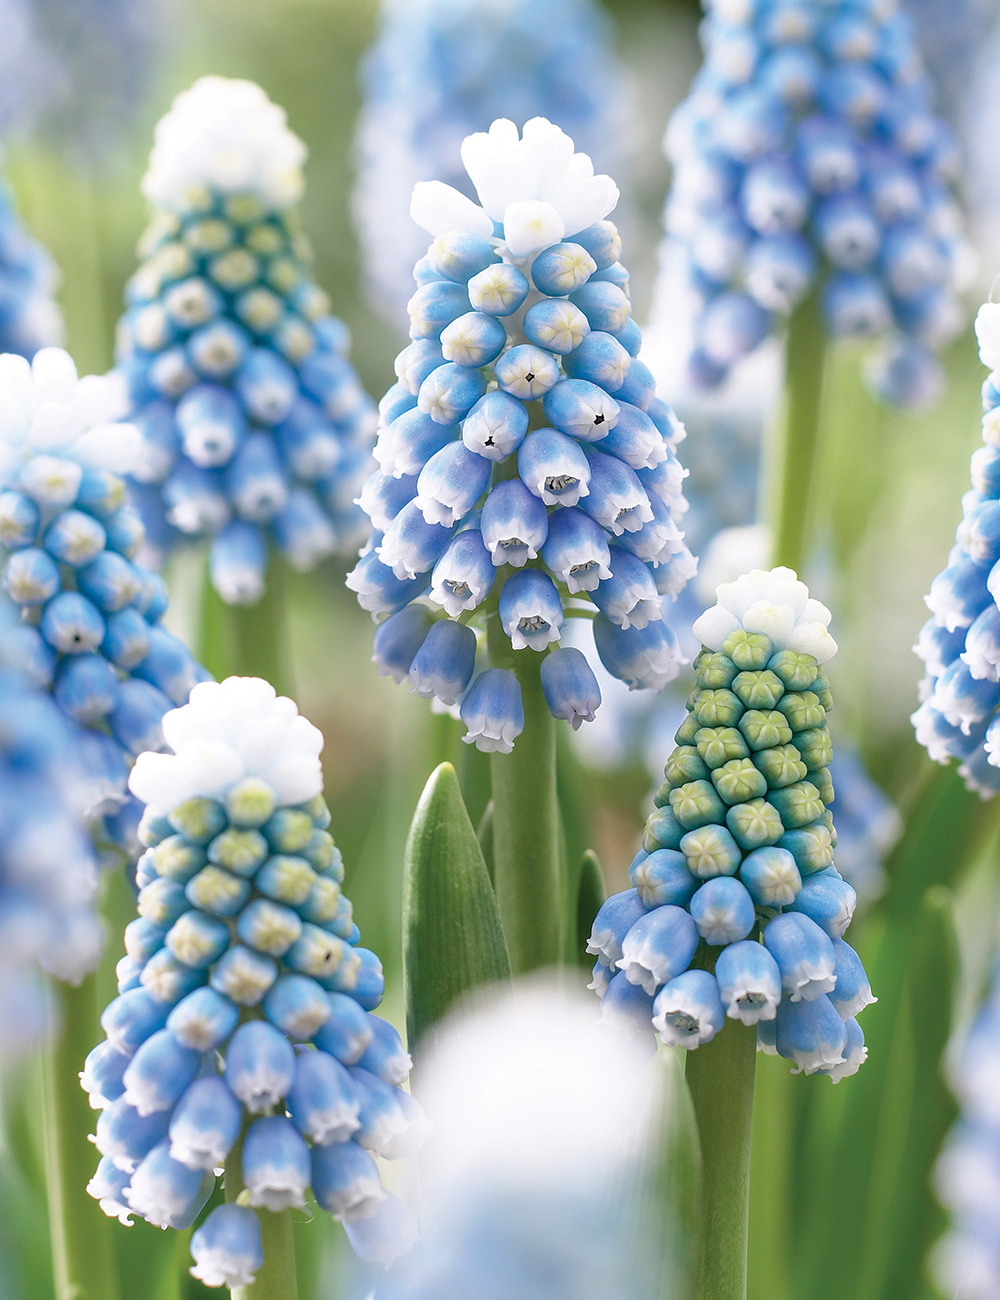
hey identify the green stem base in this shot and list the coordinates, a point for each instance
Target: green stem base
(720, 1075)
(82, 1259)
(277, 1279)
(247, 640)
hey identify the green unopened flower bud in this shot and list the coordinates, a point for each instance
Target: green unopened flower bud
(323, 903)
(823, 782)
(827, 821)
(153, 827)
(320, 850)
(758, 689)
(780, 765)
(717, 708)
(250, 803)
(685, 764)
(318, 811)
(288, 830)
(336, 868)
(802, 709)
(798, 804)
(199, 818)
(738, 780)
(797, 671)
(242, 851)
(821, 688)
(763, 729)
(663, 830)
(218, 891)
(662, 797)
(748, 650)
(710, 851)
(754, 824)
(686, 732)
(714, 671)
(816, 747)
(696, 804)
(718, 745)
(178, 858)
(811, 847)
(287, 879)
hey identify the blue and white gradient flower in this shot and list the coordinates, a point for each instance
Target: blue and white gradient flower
(256, 432)
(48, 867)
(736, 908)
(29, 316)
(526, 467)
(89, 629)
(807, 156)
(440, 70)
(960, 643)
(966, 1261)
(245, 998)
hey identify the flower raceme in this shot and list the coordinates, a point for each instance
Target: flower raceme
(526, 466)
(255, 429)
(245, 1000)
(807, 155)
(960, 644)
(736, 909)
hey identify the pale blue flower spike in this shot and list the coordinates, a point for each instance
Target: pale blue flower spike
(255, 430)
(29, 318)
(245, 995)
(546, 523)
(736, 910)
(819, 155)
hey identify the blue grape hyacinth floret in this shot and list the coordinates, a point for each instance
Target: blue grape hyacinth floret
(807, 155)
(243, 1036)
(960, 644)
(736, 909)
(48, 868)
(440, 70)
(90, 615)
(526, 466)
(256, 431)
(29, 316)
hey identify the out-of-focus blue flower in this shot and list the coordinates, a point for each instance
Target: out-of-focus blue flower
(577, 518)
(29, 316)
(807, 153)
(442, 69)
(736, 909)
(255, 428)
(244, 990)
(960, 644)
(90, 629)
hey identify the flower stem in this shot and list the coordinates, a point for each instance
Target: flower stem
(82, 1259)
(247, 640)
(792, 456)
(720, 1075)
(277, 1280)
(526, 837)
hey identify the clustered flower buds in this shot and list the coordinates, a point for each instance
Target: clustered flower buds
(90, 612)
(960, 644)
(255, 429)
(736, 908)
(526, 466)
(242, 1037)
(807, 155)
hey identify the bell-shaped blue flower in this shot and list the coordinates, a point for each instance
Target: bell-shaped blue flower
(749, 982)
(530, 610)
(227, 1248)
(804, 954)
(451, 483)
(463, 576)
(204, 1124)
(553, 467)
(445, 662)
(658, 946)
(571, 689)
(688, 1010)
(275, 1164)
(493, 712)
(166, 1192)
(722, 910)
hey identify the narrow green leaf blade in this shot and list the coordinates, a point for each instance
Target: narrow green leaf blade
(590, 894)
(452, 937)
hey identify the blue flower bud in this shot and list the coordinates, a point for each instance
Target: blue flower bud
(603, 304)
(267, 386)
(255, 479)
(644, 658)
(581, 409)
(345, 1180)
(688, 1010)
(131, 1018)
(463, 576)
(50, 480)
(166, 1192)
(828, 902)
(662, 877)
(31, 577)
(980, 647)
(514, 524)
(108, 1186)
(804, 954)
(810, 1033)
(205, 1123)
(382, 497)
(659, 945)
(348, 1031)
(459, 255)
(600, 359)
(553, 467)
(639, 387)
(101, 1076)
(854, 1056)
(243, 975)
(617, 499)
(415, 363)
(749, 982)
(125, 1137)
(959, 594)
(211, 425)
(260, 1065)
(297, 1006)
(498, 290)
(86, 688)
(168, 979)
(495, 426)
(527, 371)
(227, 1248)
(203, 1020)
(74, 538)
(70, 623)
(629, 597)
(475, 339)
(723, 911)
(855, 306)
(963, 699)
(434, 306)
(570, 687)
(19, 520)
(445, 662)
(237, 561)
(219, 349)
(576, 550)
(385, 1055)
(771, 876)
(323, 1101)
(530, 610)
(852, 992)
(627, 1007)
(378, 589)
(399, 638)
(492, 711)
(392, 1123)
(563, 268)
(450, 392)
(556, 324)
(159, 1072)
(411, 545)
(451, 483)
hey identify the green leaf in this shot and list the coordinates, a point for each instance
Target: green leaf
(484, 834)
(590, 894)
(452, 937)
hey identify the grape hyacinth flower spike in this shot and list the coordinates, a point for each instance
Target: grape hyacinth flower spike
(736, 909)
(527, 471)
(90, 628)
(440, 70)
(29, 315)
(960, 643)
(245, 1002)
(255, 429)
(808, 161)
